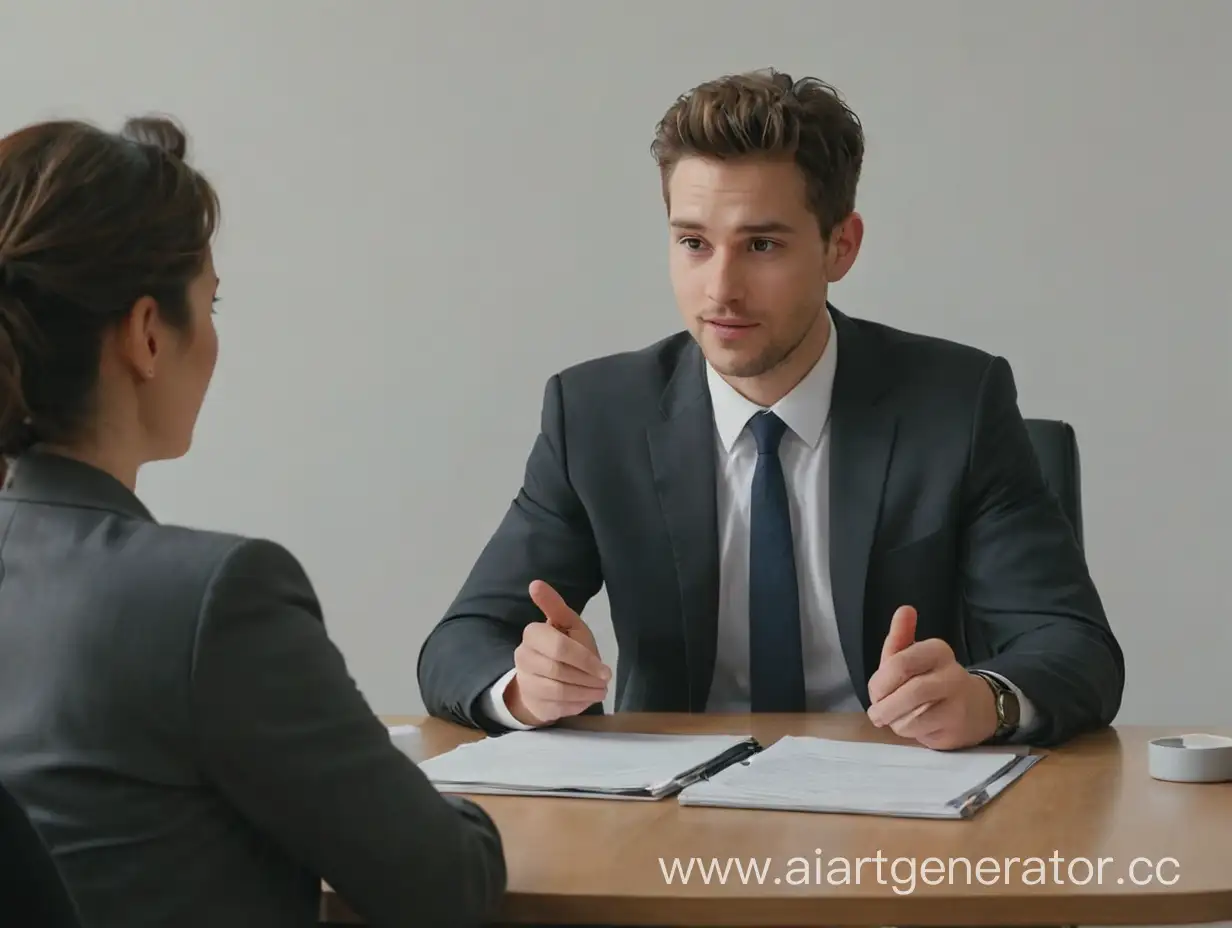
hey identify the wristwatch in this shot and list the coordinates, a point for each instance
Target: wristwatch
(1006, 702)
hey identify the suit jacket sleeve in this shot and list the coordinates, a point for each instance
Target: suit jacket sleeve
(545, 535)
(1027, 584)
(285, 735)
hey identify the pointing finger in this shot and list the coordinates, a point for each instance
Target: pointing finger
(901, 634)
(553, 606)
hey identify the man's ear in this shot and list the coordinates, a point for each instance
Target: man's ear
(844, 247)
(142, 338)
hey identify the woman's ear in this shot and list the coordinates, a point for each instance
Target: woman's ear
(142, 338)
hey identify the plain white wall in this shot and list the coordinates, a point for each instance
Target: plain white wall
(430, 208)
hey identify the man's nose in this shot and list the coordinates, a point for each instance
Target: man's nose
(725, 283)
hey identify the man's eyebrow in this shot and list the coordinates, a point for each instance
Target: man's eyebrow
(749, 228)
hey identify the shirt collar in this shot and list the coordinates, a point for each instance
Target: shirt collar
(804, 410)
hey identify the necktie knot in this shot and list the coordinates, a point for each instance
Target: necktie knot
(767, 429)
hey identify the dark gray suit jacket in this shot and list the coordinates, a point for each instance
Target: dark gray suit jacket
(936, 497)
(186, 738)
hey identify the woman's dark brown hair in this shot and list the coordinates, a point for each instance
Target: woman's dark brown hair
(90, 222)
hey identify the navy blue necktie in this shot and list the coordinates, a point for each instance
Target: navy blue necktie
(776, 663)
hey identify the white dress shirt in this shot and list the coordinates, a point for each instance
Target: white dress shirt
(805, 456)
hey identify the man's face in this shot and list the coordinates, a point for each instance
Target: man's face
(748, 264)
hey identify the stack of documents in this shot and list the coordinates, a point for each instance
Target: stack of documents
(820, 775)
(602, 765)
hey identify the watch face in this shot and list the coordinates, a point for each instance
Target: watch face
(1009, 709)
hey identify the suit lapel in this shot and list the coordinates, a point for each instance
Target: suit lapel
(862, 431)
(682, 456)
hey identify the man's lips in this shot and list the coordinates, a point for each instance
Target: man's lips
(731, 329)
(731, 323)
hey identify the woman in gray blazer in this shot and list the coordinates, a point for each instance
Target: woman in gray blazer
(173, 716)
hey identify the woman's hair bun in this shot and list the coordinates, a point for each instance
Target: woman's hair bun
(160, 132)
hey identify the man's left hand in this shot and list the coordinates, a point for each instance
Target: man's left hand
(922, 692)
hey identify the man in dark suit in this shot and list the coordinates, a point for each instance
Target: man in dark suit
(791, 509)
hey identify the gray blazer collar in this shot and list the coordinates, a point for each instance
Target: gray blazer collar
(41, 477)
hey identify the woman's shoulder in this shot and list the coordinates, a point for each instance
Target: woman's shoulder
(217, 561)
(176, 576)
(212, 586)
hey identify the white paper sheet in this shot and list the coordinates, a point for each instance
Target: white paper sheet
(822, 775)
(569, 762)
(408, 739)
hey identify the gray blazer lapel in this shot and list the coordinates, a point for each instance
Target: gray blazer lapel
(862, 431)
(682, 454)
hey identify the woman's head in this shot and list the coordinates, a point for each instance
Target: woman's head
(107, 282)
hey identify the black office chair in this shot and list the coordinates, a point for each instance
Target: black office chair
(1056, 447)
(31, 889)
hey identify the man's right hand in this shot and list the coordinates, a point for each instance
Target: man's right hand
(558, 669)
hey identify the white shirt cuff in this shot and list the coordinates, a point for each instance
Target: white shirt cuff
(1026, 711)
(494, 707)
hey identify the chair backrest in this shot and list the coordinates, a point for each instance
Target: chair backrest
(1056, 447)
(31, 889)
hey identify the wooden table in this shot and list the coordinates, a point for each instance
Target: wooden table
(1166, 847)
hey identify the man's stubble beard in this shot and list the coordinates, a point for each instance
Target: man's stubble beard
(772, 357)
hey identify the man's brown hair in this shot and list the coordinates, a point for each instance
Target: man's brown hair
(768, 114)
